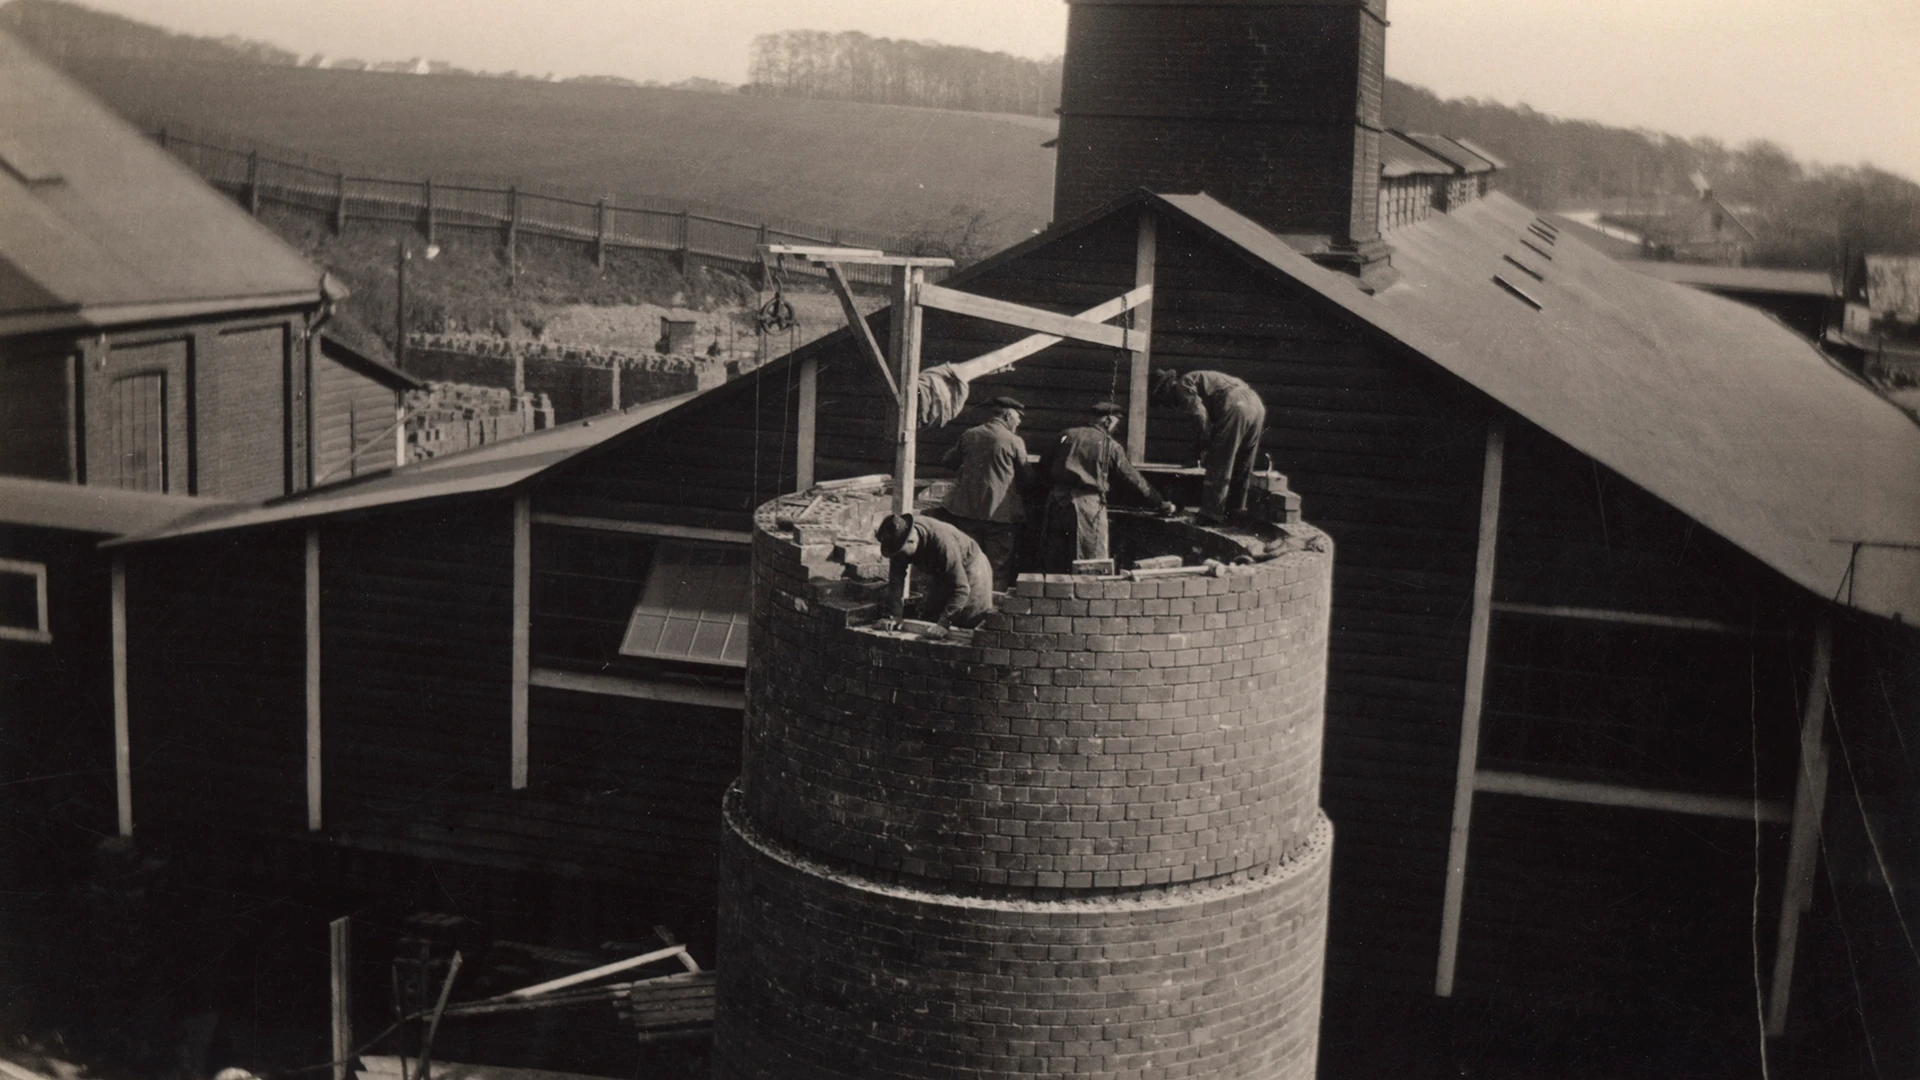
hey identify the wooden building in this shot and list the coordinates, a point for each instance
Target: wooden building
(1618, 667)
(153, 336)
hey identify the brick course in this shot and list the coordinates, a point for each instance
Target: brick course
(1086, 842)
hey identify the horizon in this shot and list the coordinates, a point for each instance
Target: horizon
(1737, 71)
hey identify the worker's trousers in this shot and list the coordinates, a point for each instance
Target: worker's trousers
(1231, 454)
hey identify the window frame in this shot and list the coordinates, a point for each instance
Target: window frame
(42, 634)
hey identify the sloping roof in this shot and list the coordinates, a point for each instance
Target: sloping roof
(1452, 150)
(1401, 157)
(484, 469)
(1757, 279)
(378, 370)
(1710, 405)
(100, 227)
(47, 504)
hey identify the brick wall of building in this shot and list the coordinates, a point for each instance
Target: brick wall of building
(1085, 842)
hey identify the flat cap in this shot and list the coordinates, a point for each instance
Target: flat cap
(1108, 408)
(1004, 402)
(1164, 378)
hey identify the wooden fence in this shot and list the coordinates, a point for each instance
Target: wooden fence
(258, 177)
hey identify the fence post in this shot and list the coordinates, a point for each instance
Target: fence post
(430, 227)
(253, 182)
(161, 136)
(600, 236)
(759, 263)
(339, 204)
(513, 231)
(685, 253)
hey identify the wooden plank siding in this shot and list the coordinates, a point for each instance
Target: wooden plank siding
(216, 650)
(353, 422)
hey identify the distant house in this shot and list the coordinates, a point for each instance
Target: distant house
(1684, 228)
(153, 336)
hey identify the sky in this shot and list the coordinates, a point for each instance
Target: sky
(1833, 81)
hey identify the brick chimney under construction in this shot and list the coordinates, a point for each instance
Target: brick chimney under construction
(1271, 106)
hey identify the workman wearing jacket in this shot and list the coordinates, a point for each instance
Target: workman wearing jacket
(1231, 417)
(990, 461)
(1082, 466)
(959, 579)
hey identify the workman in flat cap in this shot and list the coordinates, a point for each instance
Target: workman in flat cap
(959, 587)
(990, 463)
(1231, 418)
(1082, 467)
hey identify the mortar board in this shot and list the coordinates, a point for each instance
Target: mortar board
(1108, 408)
(1004, 403)
(893, 533)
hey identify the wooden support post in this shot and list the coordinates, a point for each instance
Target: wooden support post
(862, 333)
(122, 734)
(522, 632)
(1478, 627)
(339, 204)
(760, 268)
(313, 680)
(1803, 845)
(340, 957)
(809, 419)
(1145, 255)
(686, 241)
(903, 325)
(253, 182)
(600, 236)
(431, 226)
(513, 232)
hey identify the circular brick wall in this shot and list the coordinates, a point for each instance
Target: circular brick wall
(1087, 841)
(826, 973)
(1094, 734)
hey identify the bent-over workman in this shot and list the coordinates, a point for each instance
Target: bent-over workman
(959, 579)
(1082, 466)
(1231, 417)
(991, 462)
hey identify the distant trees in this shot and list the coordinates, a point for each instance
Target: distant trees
(851, 66)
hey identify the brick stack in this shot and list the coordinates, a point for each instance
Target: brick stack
(1086, 842)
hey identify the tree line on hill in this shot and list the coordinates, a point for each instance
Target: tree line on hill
(851, 66)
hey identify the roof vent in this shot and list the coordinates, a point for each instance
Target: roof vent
(1517, 291)
(26, 166)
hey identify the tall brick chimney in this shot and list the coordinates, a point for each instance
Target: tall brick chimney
(1270, 106)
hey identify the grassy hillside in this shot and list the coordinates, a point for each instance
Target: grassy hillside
(883, 168)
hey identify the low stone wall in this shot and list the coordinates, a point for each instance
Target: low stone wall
(580, 381)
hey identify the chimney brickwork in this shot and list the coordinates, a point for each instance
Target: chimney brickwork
(1271, 106)
(1087, 842)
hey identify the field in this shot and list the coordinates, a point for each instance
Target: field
(889, 169)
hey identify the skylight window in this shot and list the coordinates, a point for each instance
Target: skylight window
(1524, 297)
(1537, 249)
(1525, 269)
(26, 166)
(23, 602)
(1543, 234)
(694, 606)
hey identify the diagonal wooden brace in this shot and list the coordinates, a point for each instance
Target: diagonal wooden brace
(862, 333)
(1007, 355)
(1030, 318)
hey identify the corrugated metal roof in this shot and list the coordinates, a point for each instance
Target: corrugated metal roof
(113, 229)
(378, 370)
(483, 469)
(1710, 405)
(46, 504)
(1402, 157)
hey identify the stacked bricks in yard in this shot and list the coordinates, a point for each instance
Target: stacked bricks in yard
(581, 381)
(1087, 841)
(446, 418)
